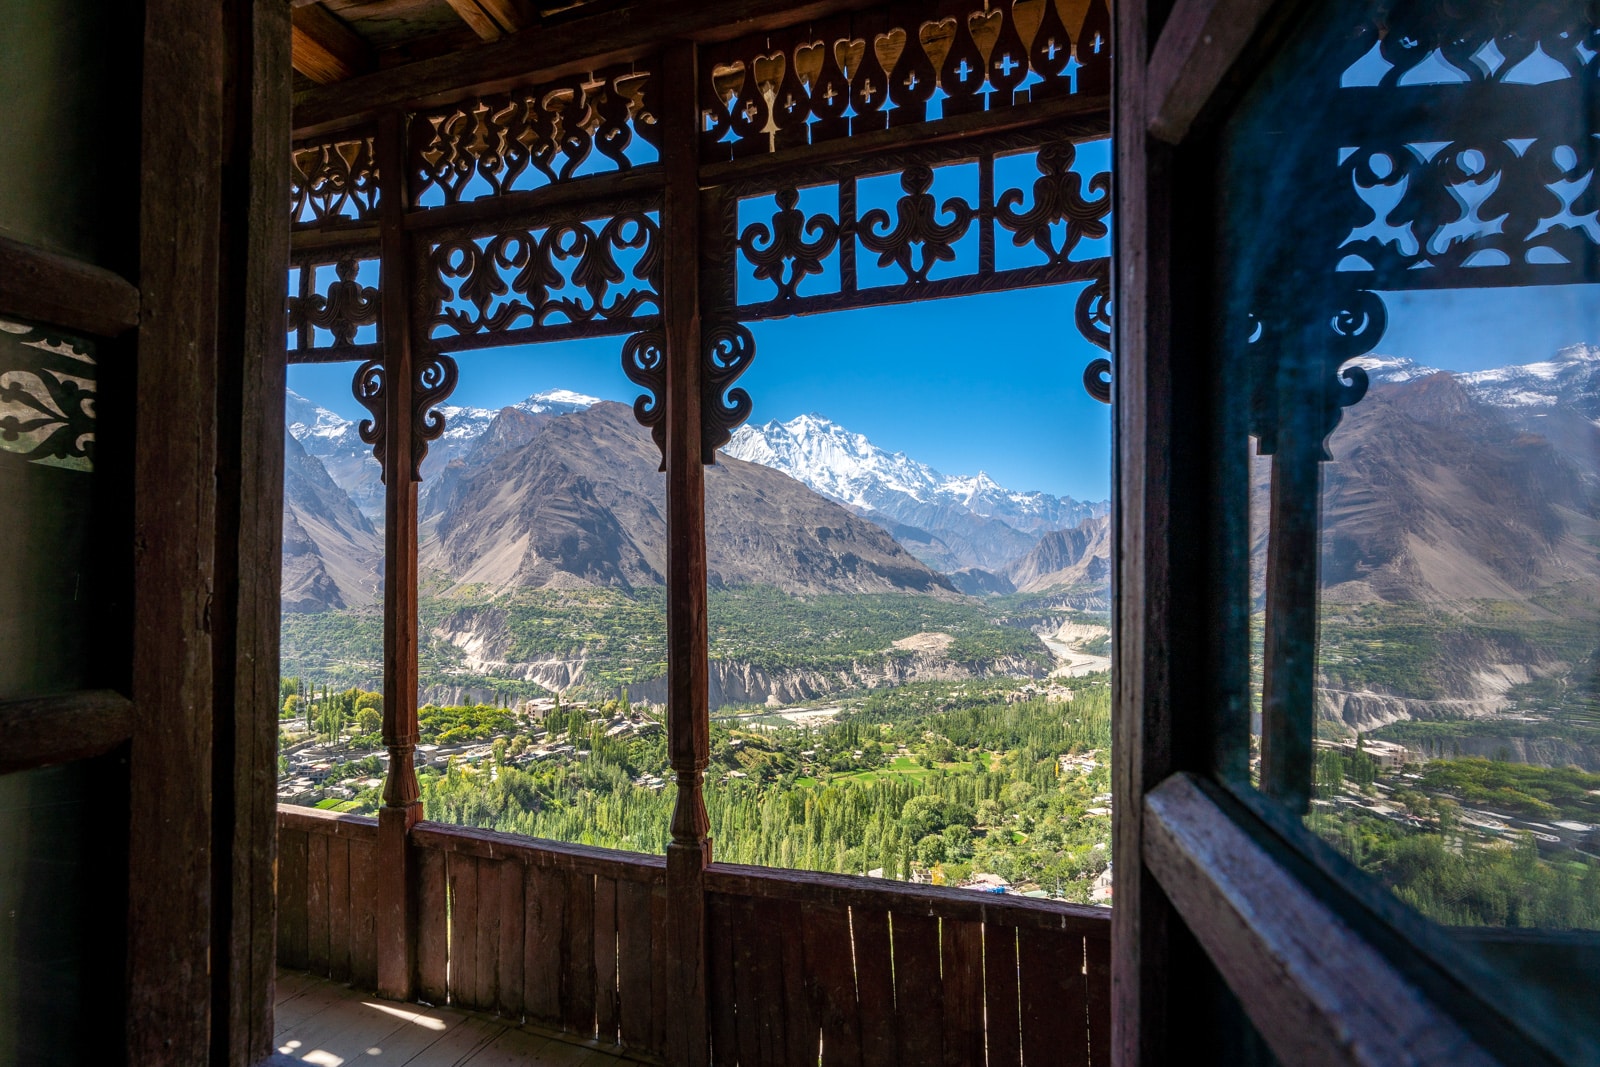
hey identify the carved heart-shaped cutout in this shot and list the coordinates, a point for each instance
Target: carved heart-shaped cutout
(769, 71)
(727, 79)
(888, 46)
(936, 38)
(1072, 13)
(985, 27)
(1026, 16)
(808, 59)
(848, 55)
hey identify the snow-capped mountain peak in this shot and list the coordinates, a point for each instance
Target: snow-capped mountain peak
(848, 467)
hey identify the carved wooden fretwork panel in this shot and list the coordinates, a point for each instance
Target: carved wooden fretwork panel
(333, 183)
(572, 275)
(942, 222)
(895, 66)
(47, 397)
(333, 305)
(532, 137)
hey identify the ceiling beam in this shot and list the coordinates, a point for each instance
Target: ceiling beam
(551, 50)
(489, 19)
(325, 49)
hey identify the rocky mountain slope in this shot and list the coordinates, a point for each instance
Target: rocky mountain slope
(332, 555)
(578, 501)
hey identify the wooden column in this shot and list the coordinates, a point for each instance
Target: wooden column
(245, 613)
(395, 905)
(688, 717)
(174, 466)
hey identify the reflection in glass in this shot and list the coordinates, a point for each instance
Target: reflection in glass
(1409, 244)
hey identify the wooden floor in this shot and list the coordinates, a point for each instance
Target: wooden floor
(328, 1024)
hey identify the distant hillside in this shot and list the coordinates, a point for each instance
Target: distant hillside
(332, 556)
(579, 502)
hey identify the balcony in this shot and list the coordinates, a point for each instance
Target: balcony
(572, 941)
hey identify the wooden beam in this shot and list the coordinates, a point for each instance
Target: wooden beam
(323, 48)
(1317, 992)
(48, 730)
(56, 290)
(489, 19)
(1199, 43)
(540, 53)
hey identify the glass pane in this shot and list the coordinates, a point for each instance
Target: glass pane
(1412, 291)
(54, 587)
(907, 548)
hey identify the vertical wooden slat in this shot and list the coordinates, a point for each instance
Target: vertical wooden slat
(875, 986)
(961, 954)
(1098, 986)
(1054, 1019)
(513, 918)
(660, 969)
(767, 934)
(634, 956)
(802, 1025)
(463, 875)
(577, 956)
(292, 862)
(339, 909)
(363, 925)
(720, 999)
(747, 948)
(433, 926)
(544, 905)
(1000, 996)
(317, 903)
(918, 996)
(830, 974)
(484, 994)
(605, 958)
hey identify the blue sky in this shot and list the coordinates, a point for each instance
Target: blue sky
(991, 382)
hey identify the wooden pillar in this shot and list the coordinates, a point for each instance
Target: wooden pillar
(245, 616)
(395, 904)
(688, 716)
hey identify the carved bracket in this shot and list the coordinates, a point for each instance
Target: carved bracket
(644, 361)
(371, 386)
(728, 350)
(436, 377)
(1093, 318)
(1300, 373)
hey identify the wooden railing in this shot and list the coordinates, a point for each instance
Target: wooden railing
(563, 935)
(800, 967)
(878, 972)
(326, 877)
